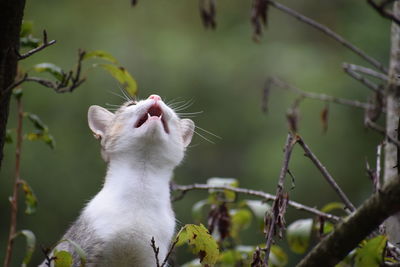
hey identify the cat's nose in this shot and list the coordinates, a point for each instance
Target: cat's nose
(155, 97)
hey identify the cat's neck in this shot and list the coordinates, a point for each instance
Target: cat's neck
(133, 178)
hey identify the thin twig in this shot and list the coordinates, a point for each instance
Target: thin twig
(381, 130)
(156, 250)
(374, 87)
(164, 263)
(378, 166)
(326, 174)
(14, 198)
(367, 71)
(268, 197)
(380, 8)
(68, 83)
(276, 217)
(330, 33)
(37, 49)
(321, 97)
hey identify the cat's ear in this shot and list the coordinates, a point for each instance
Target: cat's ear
(99, 118)
(187, 127)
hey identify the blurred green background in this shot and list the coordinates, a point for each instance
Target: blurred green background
(164, 46)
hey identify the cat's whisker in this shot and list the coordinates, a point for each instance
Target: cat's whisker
(208, 132)
(173, 101)
(116, 94)
(189, 113)
(184, 106)
(112, 105)
(205, 138)
(128, 97)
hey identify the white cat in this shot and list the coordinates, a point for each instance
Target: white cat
(142, 142)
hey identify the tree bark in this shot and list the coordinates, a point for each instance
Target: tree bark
(11, 14)
(392, 121)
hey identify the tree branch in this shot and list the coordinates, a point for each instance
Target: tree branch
(326, 174)
(367, 71)
(380, 8)
(329, 33)
(275, 219)
(68, 83)
(156, 250)
(374, 87)
(350, 232)
(37, 49)
(17, 178)
(268, 197)
(321, 97)
(381, 130)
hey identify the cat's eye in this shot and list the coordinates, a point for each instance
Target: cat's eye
(133, 102)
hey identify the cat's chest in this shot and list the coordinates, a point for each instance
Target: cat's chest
(127, 226)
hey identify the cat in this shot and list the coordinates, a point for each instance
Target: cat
(142, 143)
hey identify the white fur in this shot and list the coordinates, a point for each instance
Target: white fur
(134, 204)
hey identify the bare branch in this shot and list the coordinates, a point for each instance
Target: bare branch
(172, 247)
(326, 174)
(367, 71)
(321, 97)
(330, 33)
(275, 219)
(380, 8)
(37, 49)
(374, 87)
(378, 166)
(350, 232)
(156, 250)
(17, 178)
(68, 83)
(381, 130)
(268, 197)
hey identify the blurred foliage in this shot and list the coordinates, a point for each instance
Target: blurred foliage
(165, 47)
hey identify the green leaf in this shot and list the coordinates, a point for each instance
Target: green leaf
(100, 54)
(258, 208)
(37, 122)
(30, 245)
(123, 77)
(26, 28)
(202, 243)
(30, 198)
(42, 136)
(54, 70)
(277, 256)
(298, 235)
(328, 227)
(371, 252)
(333, 206)
(79, 251)
(29, 42)
(17, 93)
(9, 138)
(197, 209)
(218, 181)
(62, 259)
(240, 219)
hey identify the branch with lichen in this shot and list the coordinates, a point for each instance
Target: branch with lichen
(351, 231)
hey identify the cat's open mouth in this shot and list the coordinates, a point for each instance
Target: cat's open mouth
(154, 112)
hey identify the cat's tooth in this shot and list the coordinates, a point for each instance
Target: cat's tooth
(161, 116)
(148, 115)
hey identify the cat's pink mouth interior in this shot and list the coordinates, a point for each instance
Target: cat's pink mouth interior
(154, 112)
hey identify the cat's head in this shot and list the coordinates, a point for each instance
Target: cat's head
(147, 130)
